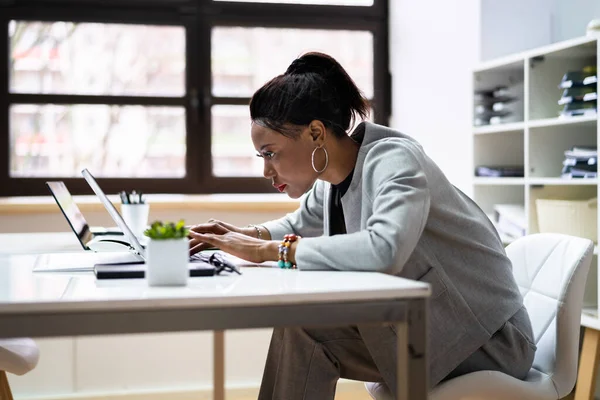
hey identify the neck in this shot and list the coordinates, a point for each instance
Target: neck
(342, 159)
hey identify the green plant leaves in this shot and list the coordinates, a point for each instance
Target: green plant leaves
(168, 230)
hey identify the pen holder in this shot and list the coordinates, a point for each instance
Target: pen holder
(167, 263)
(136, 217)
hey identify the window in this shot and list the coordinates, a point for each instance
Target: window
(154, 95)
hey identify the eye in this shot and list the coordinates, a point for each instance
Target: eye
(266, 154)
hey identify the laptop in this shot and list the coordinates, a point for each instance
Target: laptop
(82, 262)
(77, 222)
(77, 262)
(136, 246)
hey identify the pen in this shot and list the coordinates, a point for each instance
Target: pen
(123, 196)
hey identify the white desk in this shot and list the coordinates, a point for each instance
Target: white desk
(59, 304)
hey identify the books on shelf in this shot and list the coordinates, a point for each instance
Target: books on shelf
(500, 171)
(510, 220)
(579, 92)
(580, 162)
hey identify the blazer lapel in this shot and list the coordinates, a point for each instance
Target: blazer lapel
(326, 195)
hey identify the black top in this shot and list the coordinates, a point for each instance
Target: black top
(337, 225)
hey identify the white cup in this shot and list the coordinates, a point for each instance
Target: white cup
(136, 217)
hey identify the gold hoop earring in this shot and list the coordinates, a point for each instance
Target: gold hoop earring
(312, 160)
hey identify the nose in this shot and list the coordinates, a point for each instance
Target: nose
(268, 171)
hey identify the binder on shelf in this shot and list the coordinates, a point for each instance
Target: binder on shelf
(500, 171)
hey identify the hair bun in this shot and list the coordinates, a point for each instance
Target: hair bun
(316, 63)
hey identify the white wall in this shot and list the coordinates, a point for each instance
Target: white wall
(511, 26)
(570, 17)
(434, 45)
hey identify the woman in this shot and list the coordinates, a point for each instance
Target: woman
(374, 202)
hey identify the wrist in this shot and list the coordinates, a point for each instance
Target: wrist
(286, 251)
(249, 231)
(270, 250)
(255, 231)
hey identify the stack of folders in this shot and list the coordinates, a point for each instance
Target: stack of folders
(499, 105)
(510, 221)
(580, 162)
(580, 96)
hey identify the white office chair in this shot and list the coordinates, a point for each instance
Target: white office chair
(17, 356)
(551, 270)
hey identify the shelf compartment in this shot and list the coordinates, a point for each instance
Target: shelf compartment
(505, 149)
(490, 181)
(510, 75)
(546, 72)
(547, 146)
(556, 192)
(500, 128)
(488, 196)
(549, 122)
(562, 182)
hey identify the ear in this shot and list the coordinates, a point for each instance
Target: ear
(317, 132)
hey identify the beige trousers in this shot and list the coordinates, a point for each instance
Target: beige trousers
(305, 364)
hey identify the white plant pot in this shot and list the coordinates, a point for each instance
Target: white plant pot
(167, 263)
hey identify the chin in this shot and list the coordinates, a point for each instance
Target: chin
(294, 195)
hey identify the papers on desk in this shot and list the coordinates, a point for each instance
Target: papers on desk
(84, 261)
(79, 262)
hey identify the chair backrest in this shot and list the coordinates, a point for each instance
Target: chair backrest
(551, 270)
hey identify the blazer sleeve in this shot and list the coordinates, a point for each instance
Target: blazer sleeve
(306, 221)
(395, 183)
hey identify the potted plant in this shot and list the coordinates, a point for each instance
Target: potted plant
(167, 254)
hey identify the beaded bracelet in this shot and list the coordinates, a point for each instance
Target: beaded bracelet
(257, 229)
(284, 249)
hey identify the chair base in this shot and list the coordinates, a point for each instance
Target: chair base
(5, 393)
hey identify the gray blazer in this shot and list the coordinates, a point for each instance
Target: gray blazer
(403, 217)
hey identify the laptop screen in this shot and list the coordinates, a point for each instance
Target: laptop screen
(129, 236)
(73, 215)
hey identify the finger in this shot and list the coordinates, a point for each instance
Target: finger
(227, 226)
(210, 238)
(200, 247)
(211, 227)
(194, 242)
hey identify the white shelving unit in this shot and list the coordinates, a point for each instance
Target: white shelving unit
(538, 141)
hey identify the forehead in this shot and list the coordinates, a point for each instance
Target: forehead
(262, 135)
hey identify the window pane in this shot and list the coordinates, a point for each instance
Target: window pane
(112, 141)
(233, 153)
(100, 59)
(243, 59)
(320, 2)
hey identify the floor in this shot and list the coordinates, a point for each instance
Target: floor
(346, 391)
(354, 395)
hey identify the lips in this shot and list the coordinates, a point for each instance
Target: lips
(281, 188)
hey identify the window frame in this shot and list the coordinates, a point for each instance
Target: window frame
(197, 17)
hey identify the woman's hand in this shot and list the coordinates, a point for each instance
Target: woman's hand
(239, 245)
(215, 227)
